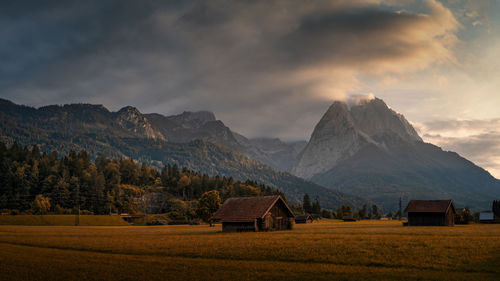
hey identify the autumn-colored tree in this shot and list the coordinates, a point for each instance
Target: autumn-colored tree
(327, 214)
(208, 204)
(41, 204)
(182, 184)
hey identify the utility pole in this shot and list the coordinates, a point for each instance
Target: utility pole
(77, 216)
(400, 214)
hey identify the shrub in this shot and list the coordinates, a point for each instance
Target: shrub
(61, 211)
(464, 216)
(327, 214)
(176, 217)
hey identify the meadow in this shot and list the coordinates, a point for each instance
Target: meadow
(62, 220)
(365, 250)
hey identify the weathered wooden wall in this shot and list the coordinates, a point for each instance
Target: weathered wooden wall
(277, 218)
(438, 219)
(238, 226)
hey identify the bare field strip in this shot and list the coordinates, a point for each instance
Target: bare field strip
(353, 251)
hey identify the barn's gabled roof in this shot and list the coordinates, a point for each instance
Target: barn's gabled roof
(245, 209)
(430, 206)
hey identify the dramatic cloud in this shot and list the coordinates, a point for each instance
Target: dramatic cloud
(477, 140)
(267, 68)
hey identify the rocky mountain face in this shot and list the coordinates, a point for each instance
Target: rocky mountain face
(193, 120)
(344, 130)
(194, 140)
(369, 150)
(190, 126)
(334, 138)
(131, 119)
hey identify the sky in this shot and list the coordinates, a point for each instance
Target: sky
(266, 68)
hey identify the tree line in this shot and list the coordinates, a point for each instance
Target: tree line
(314, 208)
(495, 208)
(106, 185)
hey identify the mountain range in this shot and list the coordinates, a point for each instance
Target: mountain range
(195, 140)
(358, 153)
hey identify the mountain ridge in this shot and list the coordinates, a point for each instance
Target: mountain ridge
(358, 150)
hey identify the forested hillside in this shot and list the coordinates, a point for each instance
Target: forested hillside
(106, 185)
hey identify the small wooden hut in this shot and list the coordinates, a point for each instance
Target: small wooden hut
(348, 218)
(254, 214)
(431, 212)
(306, 218)
(486, 217)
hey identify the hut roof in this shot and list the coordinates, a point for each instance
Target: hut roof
(245, 209)
(348, 218)
(486, 216)
(303, 217)
(430, 206)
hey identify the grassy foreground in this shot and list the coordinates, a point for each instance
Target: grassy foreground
(322, 251)
(68, 220)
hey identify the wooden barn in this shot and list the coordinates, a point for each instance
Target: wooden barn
(431, 212)
(486, 217)
(254, 214)
(303, 218)
(348, 218)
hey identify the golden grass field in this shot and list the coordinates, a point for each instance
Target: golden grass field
(68, 220)
(366, 250)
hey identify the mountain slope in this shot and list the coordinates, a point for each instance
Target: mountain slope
(370, 150)
(218, 160)
(271, 151)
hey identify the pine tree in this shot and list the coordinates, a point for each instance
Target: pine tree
(316, 208)
(362, 212)
(306, 204)
(376, 212)
(399, 214)
(496, 208)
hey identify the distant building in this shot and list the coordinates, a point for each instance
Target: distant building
(254, 214)
(486, 217)
(348, 218)
(431, 212)
(303, 218)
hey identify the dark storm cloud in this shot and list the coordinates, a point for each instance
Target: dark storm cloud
(265, 67)
(341, 36)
